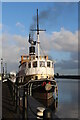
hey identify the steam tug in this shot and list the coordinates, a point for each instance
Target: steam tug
(37, 69)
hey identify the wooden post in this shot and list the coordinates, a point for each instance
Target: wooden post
(23, 103)
(16, 97)
(25, 99)
(27, 104)
(47, 114)
(14, 93)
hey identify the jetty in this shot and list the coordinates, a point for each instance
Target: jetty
(16, 106)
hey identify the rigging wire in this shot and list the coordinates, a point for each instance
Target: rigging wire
(42, 50)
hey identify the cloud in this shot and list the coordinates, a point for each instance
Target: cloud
(0, 26)
(12, 48)
(70, 66)
(16, 45)
(51, 15)
(20, 26)
(67, 64)
(64, 40)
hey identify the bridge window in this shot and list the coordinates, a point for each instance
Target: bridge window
(29, 65)
(48, 64)
(36, 77)
(42, 64)
(35, 64)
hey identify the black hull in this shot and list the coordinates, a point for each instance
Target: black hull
(39, 90)
(43, 96)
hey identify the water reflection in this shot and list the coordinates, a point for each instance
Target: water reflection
(67, 98)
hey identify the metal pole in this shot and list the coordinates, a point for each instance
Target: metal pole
(6, 69)
(1, 68)
(3, 72)
(38, 42)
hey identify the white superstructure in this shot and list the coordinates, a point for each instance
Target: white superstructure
(34, 66)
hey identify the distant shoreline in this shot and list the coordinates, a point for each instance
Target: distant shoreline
(68, 76)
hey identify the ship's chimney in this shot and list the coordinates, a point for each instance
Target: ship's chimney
(32, 47)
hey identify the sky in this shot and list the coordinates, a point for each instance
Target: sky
(60, 41)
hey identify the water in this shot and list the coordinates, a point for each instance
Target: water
(67, 98)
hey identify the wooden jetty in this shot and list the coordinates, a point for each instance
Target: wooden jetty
(9, 110)
(13, 108)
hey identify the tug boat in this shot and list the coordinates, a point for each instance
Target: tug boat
(37, 69)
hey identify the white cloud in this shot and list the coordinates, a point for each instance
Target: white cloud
(20, 26)
(13, 47)
(63, 40)
(16, 45)
(0, 26)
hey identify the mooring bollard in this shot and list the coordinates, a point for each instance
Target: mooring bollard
(47, 114)
(40, 112)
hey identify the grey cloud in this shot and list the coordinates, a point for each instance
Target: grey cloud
(51, 14)
(12, 66)
(67, 64)
(70, 64)
(74, 56)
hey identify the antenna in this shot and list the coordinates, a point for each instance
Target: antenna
(6, 69)
(37, 25)
(38, 42)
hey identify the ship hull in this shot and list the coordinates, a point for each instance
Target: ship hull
(43, 89)
(43, 96)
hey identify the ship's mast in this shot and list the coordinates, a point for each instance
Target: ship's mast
(38, 42)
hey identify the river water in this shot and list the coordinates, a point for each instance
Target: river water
(68, 98)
